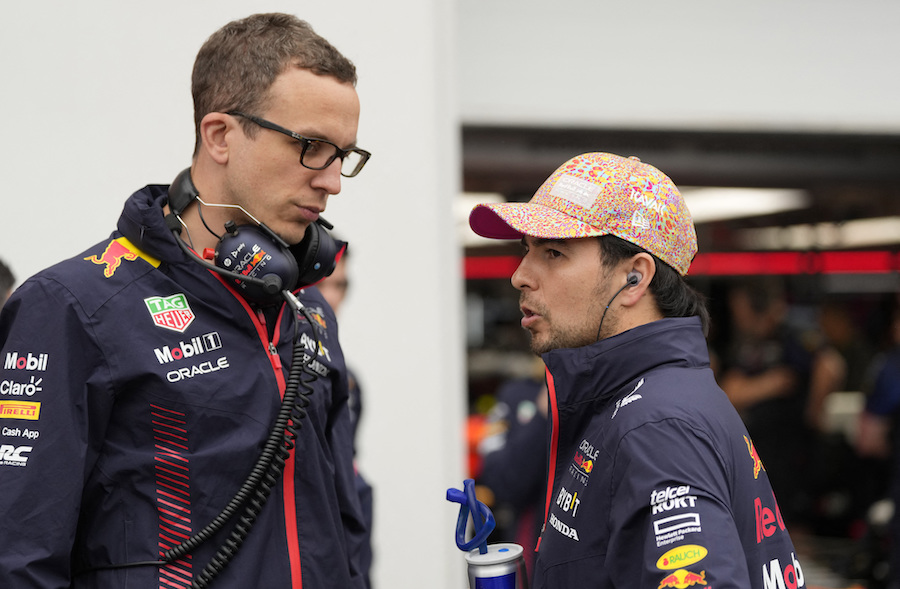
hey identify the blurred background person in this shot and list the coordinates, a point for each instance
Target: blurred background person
(877, 435)
(511, 470)
(334, 288)
(843, 484)
(7, 281)
(766, 374)
(779, 370)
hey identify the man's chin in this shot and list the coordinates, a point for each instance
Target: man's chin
(292, 234)
(540, 346)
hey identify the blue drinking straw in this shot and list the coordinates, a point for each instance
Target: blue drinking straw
(483, 521)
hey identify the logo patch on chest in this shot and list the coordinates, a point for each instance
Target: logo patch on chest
(172, 312)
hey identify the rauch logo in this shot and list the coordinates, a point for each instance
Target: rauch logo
(172, 312)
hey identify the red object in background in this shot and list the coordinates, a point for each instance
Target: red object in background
(733, 264)
(476, 428)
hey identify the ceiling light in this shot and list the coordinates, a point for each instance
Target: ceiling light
(717, 204)
(878, 231)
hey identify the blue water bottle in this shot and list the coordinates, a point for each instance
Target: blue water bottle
(494, 566)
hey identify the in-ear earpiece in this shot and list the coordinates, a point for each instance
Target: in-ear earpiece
(631, 279)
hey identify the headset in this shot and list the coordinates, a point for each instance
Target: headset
(254, 259)
(632, 279)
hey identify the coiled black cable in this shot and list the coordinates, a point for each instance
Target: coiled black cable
(257, 487)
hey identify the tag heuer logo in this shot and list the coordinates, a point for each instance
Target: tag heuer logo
(170, 312)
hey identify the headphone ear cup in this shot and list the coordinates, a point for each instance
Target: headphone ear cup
(316, 255)
(181, 192)
(248, 251)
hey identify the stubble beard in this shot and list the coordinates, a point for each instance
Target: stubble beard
(554, 337)
(590, 331)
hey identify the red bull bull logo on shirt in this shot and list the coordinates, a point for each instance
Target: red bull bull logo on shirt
(681, 579)
(757, 463)
(116, 252)
(583, 463)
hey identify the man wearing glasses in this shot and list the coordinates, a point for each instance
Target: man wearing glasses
(142, 388)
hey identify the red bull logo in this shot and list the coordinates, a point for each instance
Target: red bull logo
(757, 463)
(254, 262)
(682, 578)
(320, 320)
(768, 521)
(584, 464)
(113, 255)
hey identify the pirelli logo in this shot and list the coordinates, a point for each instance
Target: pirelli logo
(29, 410)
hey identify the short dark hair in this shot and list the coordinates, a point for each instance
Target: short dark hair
(674, 296)
(238, 64)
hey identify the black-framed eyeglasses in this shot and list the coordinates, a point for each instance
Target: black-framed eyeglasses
(317, 154)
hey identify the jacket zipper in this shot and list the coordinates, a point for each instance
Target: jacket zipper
(287, 477)
(554, 444)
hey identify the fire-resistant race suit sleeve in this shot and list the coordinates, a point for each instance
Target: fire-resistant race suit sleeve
(55, 400)
(671, 524)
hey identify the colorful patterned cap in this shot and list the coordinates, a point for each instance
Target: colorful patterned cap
(597, 194)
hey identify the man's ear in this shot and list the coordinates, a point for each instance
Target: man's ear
(215, 128)
(639, 272)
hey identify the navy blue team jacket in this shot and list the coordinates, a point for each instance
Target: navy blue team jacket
(655, 482)
(136, 392)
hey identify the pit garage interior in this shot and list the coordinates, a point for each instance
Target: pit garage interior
(823, 218)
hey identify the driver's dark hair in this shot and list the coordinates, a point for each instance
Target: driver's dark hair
(674, 296)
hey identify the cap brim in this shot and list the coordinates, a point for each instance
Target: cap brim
(517, 219)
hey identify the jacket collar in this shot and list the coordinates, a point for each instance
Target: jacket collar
(142, 222)
(601, 369)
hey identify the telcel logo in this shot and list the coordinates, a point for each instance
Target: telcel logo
(681, 556)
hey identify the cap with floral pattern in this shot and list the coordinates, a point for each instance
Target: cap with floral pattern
(598, 194)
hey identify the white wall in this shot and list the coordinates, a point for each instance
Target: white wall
(807, 65)
(96, 103)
